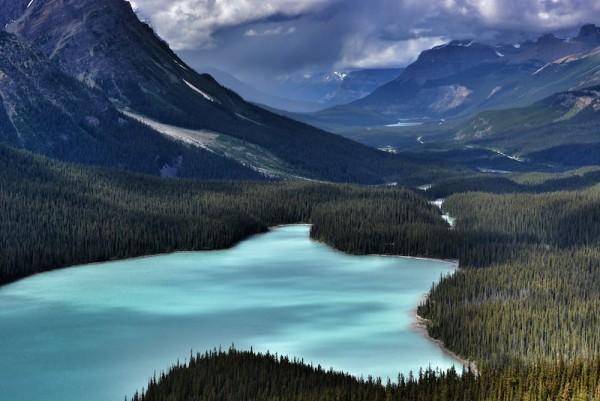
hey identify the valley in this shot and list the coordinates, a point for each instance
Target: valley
(277, 292)
(247, 201)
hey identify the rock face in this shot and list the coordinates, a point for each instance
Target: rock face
(11, 10)
(109, 54)
(564, 120)
(589, 34)
(104, 45)
(449, 59)
(492, 76)
(38, 98)
(327, 89)
(46, 111)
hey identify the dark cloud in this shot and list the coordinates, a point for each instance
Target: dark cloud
(265, 38)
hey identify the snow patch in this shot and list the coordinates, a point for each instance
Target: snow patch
(494, 91)
(463, 44)
(30, 3)
(248, 119)
(493, 171)
(405, 123)
(515, 158)
(541, 69)
(180, 65)
(388, 149)
(204, 94)
(499, 54)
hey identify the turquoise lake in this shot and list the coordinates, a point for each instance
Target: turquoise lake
(98, 332)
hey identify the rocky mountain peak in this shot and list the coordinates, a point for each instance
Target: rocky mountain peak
(548, 39)
(588, 33)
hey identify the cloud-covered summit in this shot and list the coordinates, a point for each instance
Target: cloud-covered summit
(254, 37)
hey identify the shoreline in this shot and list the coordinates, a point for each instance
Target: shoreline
(453, 262)
(420, 324)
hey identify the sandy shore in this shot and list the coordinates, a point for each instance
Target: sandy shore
(420, 325)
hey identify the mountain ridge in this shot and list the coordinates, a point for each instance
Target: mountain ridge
(108, 49)
(464, 77)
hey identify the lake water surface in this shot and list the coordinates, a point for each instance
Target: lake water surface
(98, 332)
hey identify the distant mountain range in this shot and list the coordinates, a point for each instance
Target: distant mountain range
(461, 78)
(309, 92)
(328, 89)
(87, 81)
(561, 129)
(258, 96)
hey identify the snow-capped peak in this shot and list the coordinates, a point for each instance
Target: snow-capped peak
(340, 75)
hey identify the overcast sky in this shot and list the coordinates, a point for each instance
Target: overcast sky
(269, 38)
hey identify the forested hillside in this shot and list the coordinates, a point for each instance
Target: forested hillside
(382, 226)
(78, 77)
(527, 296)
(55, 215)
(235, 375)
(540, 295)
(528, 318)
(534, 182)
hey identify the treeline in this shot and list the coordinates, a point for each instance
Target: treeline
(529, 289)
(543, 306)
(386, 225)
(556, 219)
(55, 215)
(237, 375)
(534, 183)
(539, 295)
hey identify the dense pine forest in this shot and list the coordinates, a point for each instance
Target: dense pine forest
(525, 299)
(55, 215)
(539, 295)
(536, 182)
(236, 375)
(523, 307)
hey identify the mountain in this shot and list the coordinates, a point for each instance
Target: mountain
(551, 130)
(464, 77)
(46, 111)
(110, 52)
(11, 10)
(357, 84)
(254, 95)
(326, 89)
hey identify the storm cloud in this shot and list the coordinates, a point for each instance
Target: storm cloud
(279, 37)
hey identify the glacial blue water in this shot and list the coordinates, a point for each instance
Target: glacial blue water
(98, 332)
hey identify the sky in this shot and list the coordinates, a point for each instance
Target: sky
(265, 39)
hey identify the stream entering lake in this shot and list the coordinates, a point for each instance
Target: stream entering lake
(98, 332)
